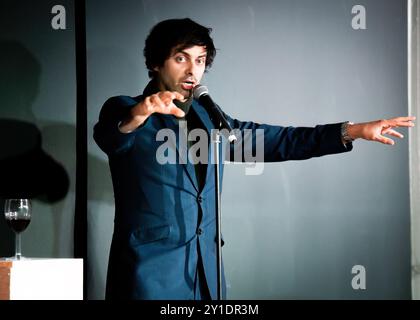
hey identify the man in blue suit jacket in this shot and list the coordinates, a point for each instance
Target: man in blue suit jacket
(164, 241)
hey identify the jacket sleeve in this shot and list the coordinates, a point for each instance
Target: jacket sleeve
(285, 143)
(106, 132)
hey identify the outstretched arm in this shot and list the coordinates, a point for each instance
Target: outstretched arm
(375, 130)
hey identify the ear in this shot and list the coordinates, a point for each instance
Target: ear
(156, 69)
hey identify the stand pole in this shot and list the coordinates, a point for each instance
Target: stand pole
(216, 144)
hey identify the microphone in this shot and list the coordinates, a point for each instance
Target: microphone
(201, 93)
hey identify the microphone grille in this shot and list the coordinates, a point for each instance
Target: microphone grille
(199, 90)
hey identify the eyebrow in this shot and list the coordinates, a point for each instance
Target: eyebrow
(204, 54)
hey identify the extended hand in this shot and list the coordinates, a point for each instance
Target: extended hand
(161, 102)
(375, 130)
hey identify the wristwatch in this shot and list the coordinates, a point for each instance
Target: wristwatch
(344, 132)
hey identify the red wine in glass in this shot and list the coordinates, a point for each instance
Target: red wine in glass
(18, 225)
(18, 215)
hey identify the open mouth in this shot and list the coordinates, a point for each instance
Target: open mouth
(187, 85)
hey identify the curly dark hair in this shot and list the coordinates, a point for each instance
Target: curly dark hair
(176, 33)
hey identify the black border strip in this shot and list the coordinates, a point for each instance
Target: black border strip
(80, 216)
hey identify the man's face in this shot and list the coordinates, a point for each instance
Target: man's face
(183, 70)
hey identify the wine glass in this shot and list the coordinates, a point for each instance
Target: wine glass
(18, 216)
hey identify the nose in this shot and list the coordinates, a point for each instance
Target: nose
(191, 68)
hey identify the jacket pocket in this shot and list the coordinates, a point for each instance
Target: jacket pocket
(146, 235)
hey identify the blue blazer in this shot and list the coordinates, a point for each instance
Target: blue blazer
(157, 240)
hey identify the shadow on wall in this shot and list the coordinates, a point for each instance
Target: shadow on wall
(124, 76)
(119, 65)
(26, 170)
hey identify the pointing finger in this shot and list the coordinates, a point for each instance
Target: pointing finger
(392, 132)
(411, 118)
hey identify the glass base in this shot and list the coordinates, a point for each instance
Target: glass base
(14, 258)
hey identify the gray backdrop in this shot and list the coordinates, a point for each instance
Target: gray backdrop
(297, 230)
(37, 85)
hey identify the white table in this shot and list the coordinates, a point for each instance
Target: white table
(41, 279)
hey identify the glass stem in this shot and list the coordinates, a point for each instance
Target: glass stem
(18, 249)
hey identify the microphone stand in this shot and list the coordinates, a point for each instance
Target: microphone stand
(216, 147)
(200, 93)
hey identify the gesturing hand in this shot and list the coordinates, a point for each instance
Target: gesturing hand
(375, 130)
(161, 102)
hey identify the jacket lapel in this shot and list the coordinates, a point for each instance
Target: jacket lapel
(204, 117)
(178, 127)
(181, 143)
